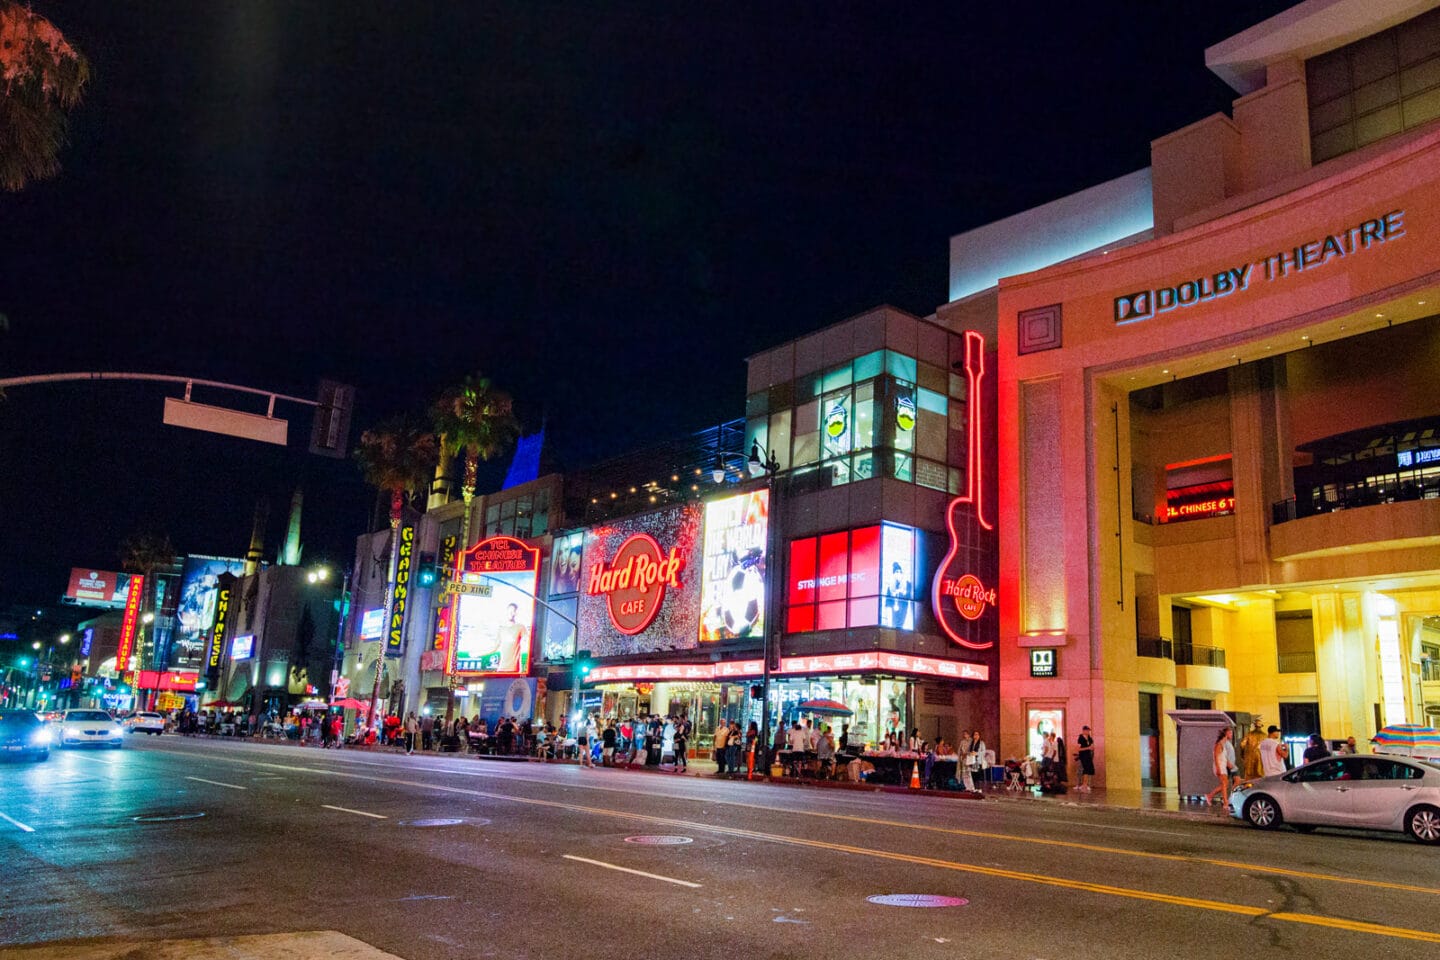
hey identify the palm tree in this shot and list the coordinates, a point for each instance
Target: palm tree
(144, 554)
(475, 418)
(397, 457)
(41, 78)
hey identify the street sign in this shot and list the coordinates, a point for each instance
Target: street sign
(468, 589)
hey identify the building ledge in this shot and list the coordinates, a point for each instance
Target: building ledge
(1385, 526)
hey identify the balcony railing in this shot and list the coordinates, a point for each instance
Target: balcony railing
(1198, 655)
(1303, 662)
(1160, 647)
(1348, 496)
(1429, 670)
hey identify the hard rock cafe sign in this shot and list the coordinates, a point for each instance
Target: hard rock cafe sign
(962, 594)
(634, 582)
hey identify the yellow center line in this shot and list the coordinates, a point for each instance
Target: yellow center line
(959, 832)
(1130, 893)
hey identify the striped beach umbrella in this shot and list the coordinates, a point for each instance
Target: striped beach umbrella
(1408, 738)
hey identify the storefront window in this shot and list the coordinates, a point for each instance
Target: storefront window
(858, 578)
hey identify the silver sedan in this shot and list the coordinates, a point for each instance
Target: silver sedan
(1364, 792)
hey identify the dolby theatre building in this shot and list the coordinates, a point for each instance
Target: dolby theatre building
(1219, 422)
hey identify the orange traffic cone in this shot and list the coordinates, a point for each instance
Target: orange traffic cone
(915, 776)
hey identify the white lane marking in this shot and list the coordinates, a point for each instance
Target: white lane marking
(1103, 826)
(638, 873)
(359, 813)
(108, 763)
(9, 819)
(217, 783)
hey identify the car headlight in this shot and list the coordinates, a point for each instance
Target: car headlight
(40, 738)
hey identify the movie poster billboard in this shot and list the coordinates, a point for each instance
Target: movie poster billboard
(640, 583)
(732, 588)
(97, 588)
(195, 612)
(565, 564)
(560, 619)
(493, 608)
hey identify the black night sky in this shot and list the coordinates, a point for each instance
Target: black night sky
(606, 207)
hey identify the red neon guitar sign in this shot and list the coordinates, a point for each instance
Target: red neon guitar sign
(959, 595)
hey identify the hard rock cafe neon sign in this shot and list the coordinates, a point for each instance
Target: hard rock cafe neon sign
(635, 581)
(960, 595)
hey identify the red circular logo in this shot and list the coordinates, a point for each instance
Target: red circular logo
(634, 582)
(970, 596)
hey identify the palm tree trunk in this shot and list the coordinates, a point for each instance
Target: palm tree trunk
(467, 493)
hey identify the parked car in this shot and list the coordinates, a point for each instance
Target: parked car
(96, 727)
(23, 736)
(1363, 792)
(146, 722)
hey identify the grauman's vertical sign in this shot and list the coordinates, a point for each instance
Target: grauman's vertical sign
(962, 595)
(1144, 304)
(399, 597)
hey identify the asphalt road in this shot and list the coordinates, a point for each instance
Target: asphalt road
(540, 861)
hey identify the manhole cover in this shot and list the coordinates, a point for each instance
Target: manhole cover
(659, 841)
(441, 822)
(166, 818)
(916, 900)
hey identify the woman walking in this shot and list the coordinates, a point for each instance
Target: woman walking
(1222, 762)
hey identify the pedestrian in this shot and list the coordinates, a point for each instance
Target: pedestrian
(1085, 756)
(325, 733)
(1349, 749)
(608, 738)
(1316, 749)
(1250, 751)
(844, 737)
(1222, 761)
(582, 741)
(752, 742)
(722, 745)
(737, 747)
(412, 732)
(1273, 752)
(976, 757)
(682, 744)
(427, 732)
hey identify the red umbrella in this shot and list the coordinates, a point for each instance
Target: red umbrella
(223, 704)
(350, 703)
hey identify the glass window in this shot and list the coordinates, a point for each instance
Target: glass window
(782, 396)
(903, 416)
(900, 366)
(807, 434)
(864, 430)
(756, 404)
(836, 378)
(932, 437)
(507, 509)
(870, 365)
(904, 467)
(757, 430)
(836, 427)
(858, 578)
(862, 466)
(780, 438)
(1320, 772)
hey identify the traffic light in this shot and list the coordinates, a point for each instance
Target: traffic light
(584, 662)
(427, 574)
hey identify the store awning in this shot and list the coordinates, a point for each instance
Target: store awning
(865, 662)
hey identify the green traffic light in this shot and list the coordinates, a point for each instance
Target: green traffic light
(24, 661)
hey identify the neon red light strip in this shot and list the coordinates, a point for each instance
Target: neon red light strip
(974, 373)
(867, 661)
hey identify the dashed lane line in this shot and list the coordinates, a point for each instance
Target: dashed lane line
(902, 825)
(217, 783)
(358, 813)
(26, 828)
(1129, 893)
(638, 873)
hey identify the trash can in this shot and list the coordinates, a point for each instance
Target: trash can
(1195, 749)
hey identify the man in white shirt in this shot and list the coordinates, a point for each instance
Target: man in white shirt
(1272, 752)
(797, 739)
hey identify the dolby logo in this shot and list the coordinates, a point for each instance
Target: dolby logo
(1135, 306)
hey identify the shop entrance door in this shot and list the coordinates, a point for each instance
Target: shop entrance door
(1149, 739)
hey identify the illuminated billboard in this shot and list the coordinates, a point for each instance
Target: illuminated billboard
(195, 612)
(732, 574)
(493, 608)
(565, 564)
(854, 578)
(242, 648)
(97, 588)
(640, 583)
(372, 624)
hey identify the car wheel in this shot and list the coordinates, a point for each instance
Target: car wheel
(1262, 812)
(1423, 823)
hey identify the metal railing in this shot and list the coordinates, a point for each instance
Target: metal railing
(1198, 655)
(1303, 662)
(1162, 648)
(1350, 496)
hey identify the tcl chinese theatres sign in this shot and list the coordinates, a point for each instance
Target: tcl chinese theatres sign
(633, 583)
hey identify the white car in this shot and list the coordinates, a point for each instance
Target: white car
(151, 723)
(1363, 792)
(97, 727)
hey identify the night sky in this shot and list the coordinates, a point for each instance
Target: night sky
(605, 207)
